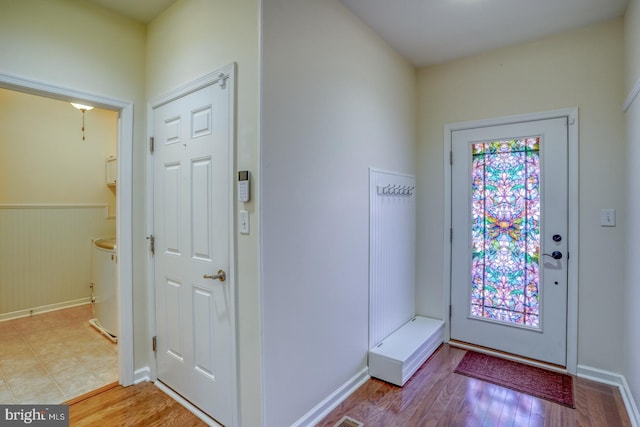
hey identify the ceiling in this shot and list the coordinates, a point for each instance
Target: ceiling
(428, 32)
(140, 10)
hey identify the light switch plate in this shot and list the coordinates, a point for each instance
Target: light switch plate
(244, 222)
(608, 217)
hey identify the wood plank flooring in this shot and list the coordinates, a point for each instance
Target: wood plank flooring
(435, 396)
(142, 405)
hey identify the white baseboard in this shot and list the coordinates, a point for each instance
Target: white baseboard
(188, 405)
(316, 414)
(141, 375)
(144, 374)
(629, 403)
(44, 309)
(616, 380)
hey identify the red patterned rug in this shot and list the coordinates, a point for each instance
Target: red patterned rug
(553, 386)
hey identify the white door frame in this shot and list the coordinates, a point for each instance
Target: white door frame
(573, 244)
(123, 200)
(227, 73)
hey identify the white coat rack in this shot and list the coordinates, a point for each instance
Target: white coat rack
(395, 190)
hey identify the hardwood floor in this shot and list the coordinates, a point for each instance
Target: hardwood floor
(435, 396)
(142, 405)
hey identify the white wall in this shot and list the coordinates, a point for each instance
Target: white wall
(193, 38)
(631, 348)
(335, 101)
(583, 69)
(75, 44)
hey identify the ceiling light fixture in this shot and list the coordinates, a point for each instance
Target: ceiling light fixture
(84, 109)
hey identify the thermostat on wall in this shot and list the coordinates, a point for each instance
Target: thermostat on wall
(243, 186)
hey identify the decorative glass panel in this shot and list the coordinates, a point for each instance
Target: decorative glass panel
(505, 231)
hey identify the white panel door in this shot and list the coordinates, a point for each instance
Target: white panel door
(191, 228)
(509, 243)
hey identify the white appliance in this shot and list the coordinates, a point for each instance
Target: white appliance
(105, 287)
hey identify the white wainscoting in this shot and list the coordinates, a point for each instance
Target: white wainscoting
(45, 255)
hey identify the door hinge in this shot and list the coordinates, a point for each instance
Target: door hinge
(154, 343)
(449, 311)
(451, 235)
(451, 157)
(151, 144)
(152, 244)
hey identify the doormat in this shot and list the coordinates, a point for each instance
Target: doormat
(553, 386)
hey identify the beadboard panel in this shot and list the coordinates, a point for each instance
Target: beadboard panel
(392, 226)
(45, 253)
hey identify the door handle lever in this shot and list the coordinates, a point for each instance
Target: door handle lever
(554, 255)
(222, 276)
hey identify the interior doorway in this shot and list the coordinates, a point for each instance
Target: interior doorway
(123, 209)
(54, 202)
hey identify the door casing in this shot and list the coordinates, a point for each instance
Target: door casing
(124, 204)
(228, 73)
(573, 200)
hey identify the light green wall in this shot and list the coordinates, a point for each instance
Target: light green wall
(583, 69)
(193, 38)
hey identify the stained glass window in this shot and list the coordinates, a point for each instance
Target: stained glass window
(505, 231)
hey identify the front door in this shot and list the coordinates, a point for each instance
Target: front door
(194, 304)
(509, 238)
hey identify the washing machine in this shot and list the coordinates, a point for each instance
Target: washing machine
(104, 260)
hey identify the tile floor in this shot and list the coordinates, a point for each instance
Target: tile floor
(53, 357)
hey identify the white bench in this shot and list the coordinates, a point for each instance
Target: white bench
(399, 356)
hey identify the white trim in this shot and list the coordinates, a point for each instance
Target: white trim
(61, 206)
(322, 409)
(123, 198)
(142, 375)
(629, 403)
(124, 237)
(27, 312)
(188, 405)
(617, 380)
(229, 73)
(53, 206)
(574, 207)
(632, 96)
